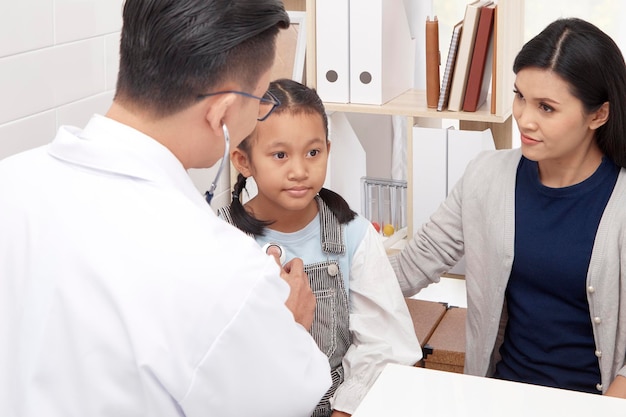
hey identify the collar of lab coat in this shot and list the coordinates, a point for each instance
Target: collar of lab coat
(109, 146)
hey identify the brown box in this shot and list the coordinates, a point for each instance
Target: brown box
(445, 350)
(426, 316)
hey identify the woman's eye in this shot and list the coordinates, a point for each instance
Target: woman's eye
(518, 94)
(546, 108)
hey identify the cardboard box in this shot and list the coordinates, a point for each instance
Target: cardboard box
(426, 315)
(445, 349)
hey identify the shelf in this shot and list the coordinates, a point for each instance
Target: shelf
(412, 103)
(509, 35)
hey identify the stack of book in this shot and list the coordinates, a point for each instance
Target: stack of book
(469, 66)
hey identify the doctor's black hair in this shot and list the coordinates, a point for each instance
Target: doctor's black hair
(592, 64)
(295, 98)
(172, 51)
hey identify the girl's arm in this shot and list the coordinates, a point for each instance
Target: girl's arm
(380, 324)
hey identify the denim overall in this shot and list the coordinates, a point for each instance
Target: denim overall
(330, 328)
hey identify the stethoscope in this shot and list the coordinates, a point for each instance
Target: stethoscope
(282, 253)
(208, 196)
(332, 268)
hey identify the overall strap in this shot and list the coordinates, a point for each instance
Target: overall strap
(331, 232)
(224, 214)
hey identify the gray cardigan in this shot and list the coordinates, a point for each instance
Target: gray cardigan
(478, 220)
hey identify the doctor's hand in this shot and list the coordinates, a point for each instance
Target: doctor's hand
(301, 300)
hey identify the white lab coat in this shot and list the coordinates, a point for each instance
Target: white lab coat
(122, 294)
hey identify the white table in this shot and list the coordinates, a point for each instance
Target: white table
(447, 290)
(410, 391)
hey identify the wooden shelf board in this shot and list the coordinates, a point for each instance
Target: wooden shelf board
(412, 103)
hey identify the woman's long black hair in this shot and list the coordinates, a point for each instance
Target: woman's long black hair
(294, 98)
(593, 66)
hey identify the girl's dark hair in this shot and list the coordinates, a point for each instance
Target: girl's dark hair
(593, 66)
(172, 51)
(295, 98)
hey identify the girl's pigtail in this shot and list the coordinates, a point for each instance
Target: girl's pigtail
(340, 207)
(241, 218)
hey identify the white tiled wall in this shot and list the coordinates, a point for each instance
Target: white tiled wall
(58, 65)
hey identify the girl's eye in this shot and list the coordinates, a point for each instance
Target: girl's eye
(314, 152)
(280, 155)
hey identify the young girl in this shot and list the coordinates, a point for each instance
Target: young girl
(361, 320)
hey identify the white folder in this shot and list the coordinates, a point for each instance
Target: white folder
(347, 161)
(333, 50)
(463, 146)
(429, 166)
(382, 51)
(439, 159)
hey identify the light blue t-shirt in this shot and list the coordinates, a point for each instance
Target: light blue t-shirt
(306, 243)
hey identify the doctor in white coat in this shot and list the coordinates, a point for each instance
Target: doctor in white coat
(121, 292)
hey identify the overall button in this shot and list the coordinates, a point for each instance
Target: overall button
(597, 320)
(599, 387)
(598, 353)
(333, 270)
(590, 289)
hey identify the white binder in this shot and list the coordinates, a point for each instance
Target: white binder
(382, 51)
(439, 159)
(347, 161)
(333, 50)
(429, 176)
(463, 146)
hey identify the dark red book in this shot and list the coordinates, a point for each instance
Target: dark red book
(480, 66)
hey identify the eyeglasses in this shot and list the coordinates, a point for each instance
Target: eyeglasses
(267, 103)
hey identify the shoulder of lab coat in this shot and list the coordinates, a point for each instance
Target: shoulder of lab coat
(141, 296)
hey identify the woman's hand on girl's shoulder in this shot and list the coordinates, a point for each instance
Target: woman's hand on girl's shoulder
(617, 388)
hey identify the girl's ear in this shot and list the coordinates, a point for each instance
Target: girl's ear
(600, 116)
(241, 162)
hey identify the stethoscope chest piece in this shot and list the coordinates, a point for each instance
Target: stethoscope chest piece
(271, 246)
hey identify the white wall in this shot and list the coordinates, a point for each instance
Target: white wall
(59, 60)
(58, 66)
